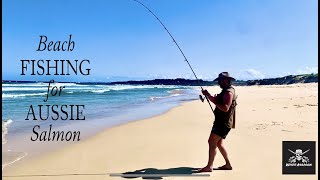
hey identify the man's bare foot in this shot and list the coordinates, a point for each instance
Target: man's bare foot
(225, 167)
(205, 169)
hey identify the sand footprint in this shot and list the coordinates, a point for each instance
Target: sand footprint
(276, 123)
(312, 104)
(261, 126)
(286, 130)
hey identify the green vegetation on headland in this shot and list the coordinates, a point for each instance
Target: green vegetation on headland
(291, 79)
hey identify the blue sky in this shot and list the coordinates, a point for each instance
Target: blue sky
(249, 38)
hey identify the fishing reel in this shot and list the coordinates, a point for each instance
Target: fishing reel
(201, 98)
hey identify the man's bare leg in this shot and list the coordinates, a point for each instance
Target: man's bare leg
(213, 140)
(224, 153)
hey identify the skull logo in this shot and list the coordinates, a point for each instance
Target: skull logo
(298, 156)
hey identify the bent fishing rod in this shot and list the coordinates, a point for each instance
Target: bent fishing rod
(185, 58)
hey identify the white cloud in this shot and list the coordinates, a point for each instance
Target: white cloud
(307, 70)
(250, 74)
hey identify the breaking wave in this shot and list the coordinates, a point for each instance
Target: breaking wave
(4, 95)
(5, 126)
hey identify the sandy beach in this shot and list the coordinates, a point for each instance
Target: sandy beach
(176, 141)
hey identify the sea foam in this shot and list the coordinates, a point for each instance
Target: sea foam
(5, 126)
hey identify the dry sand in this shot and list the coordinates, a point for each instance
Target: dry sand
(177, 140)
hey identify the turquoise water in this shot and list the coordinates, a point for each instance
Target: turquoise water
(105, 105)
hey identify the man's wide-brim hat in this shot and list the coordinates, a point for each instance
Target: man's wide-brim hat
(224, 75)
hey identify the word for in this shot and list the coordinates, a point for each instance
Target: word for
(53, 91)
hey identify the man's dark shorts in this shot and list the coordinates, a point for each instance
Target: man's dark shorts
(221, 131)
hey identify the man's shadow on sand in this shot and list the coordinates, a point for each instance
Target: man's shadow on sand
(160, 173)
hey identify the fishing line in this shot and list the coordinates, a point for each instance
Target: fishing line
(185, 58)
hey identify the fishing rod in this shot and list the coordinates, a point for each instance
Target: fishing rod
(185, 58)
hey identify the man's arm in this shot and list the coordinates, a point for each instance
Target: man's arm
(227, 101)
(213, 99)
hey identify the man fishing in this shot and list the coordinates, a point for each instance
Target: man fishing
(224, 111)
(224, 120)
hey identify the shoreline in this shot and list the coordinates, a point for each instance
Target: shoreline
(179, 137)
(27, 158)
(57, 145)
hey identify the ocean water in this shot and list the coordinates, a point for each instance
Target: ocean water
(104, 106)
